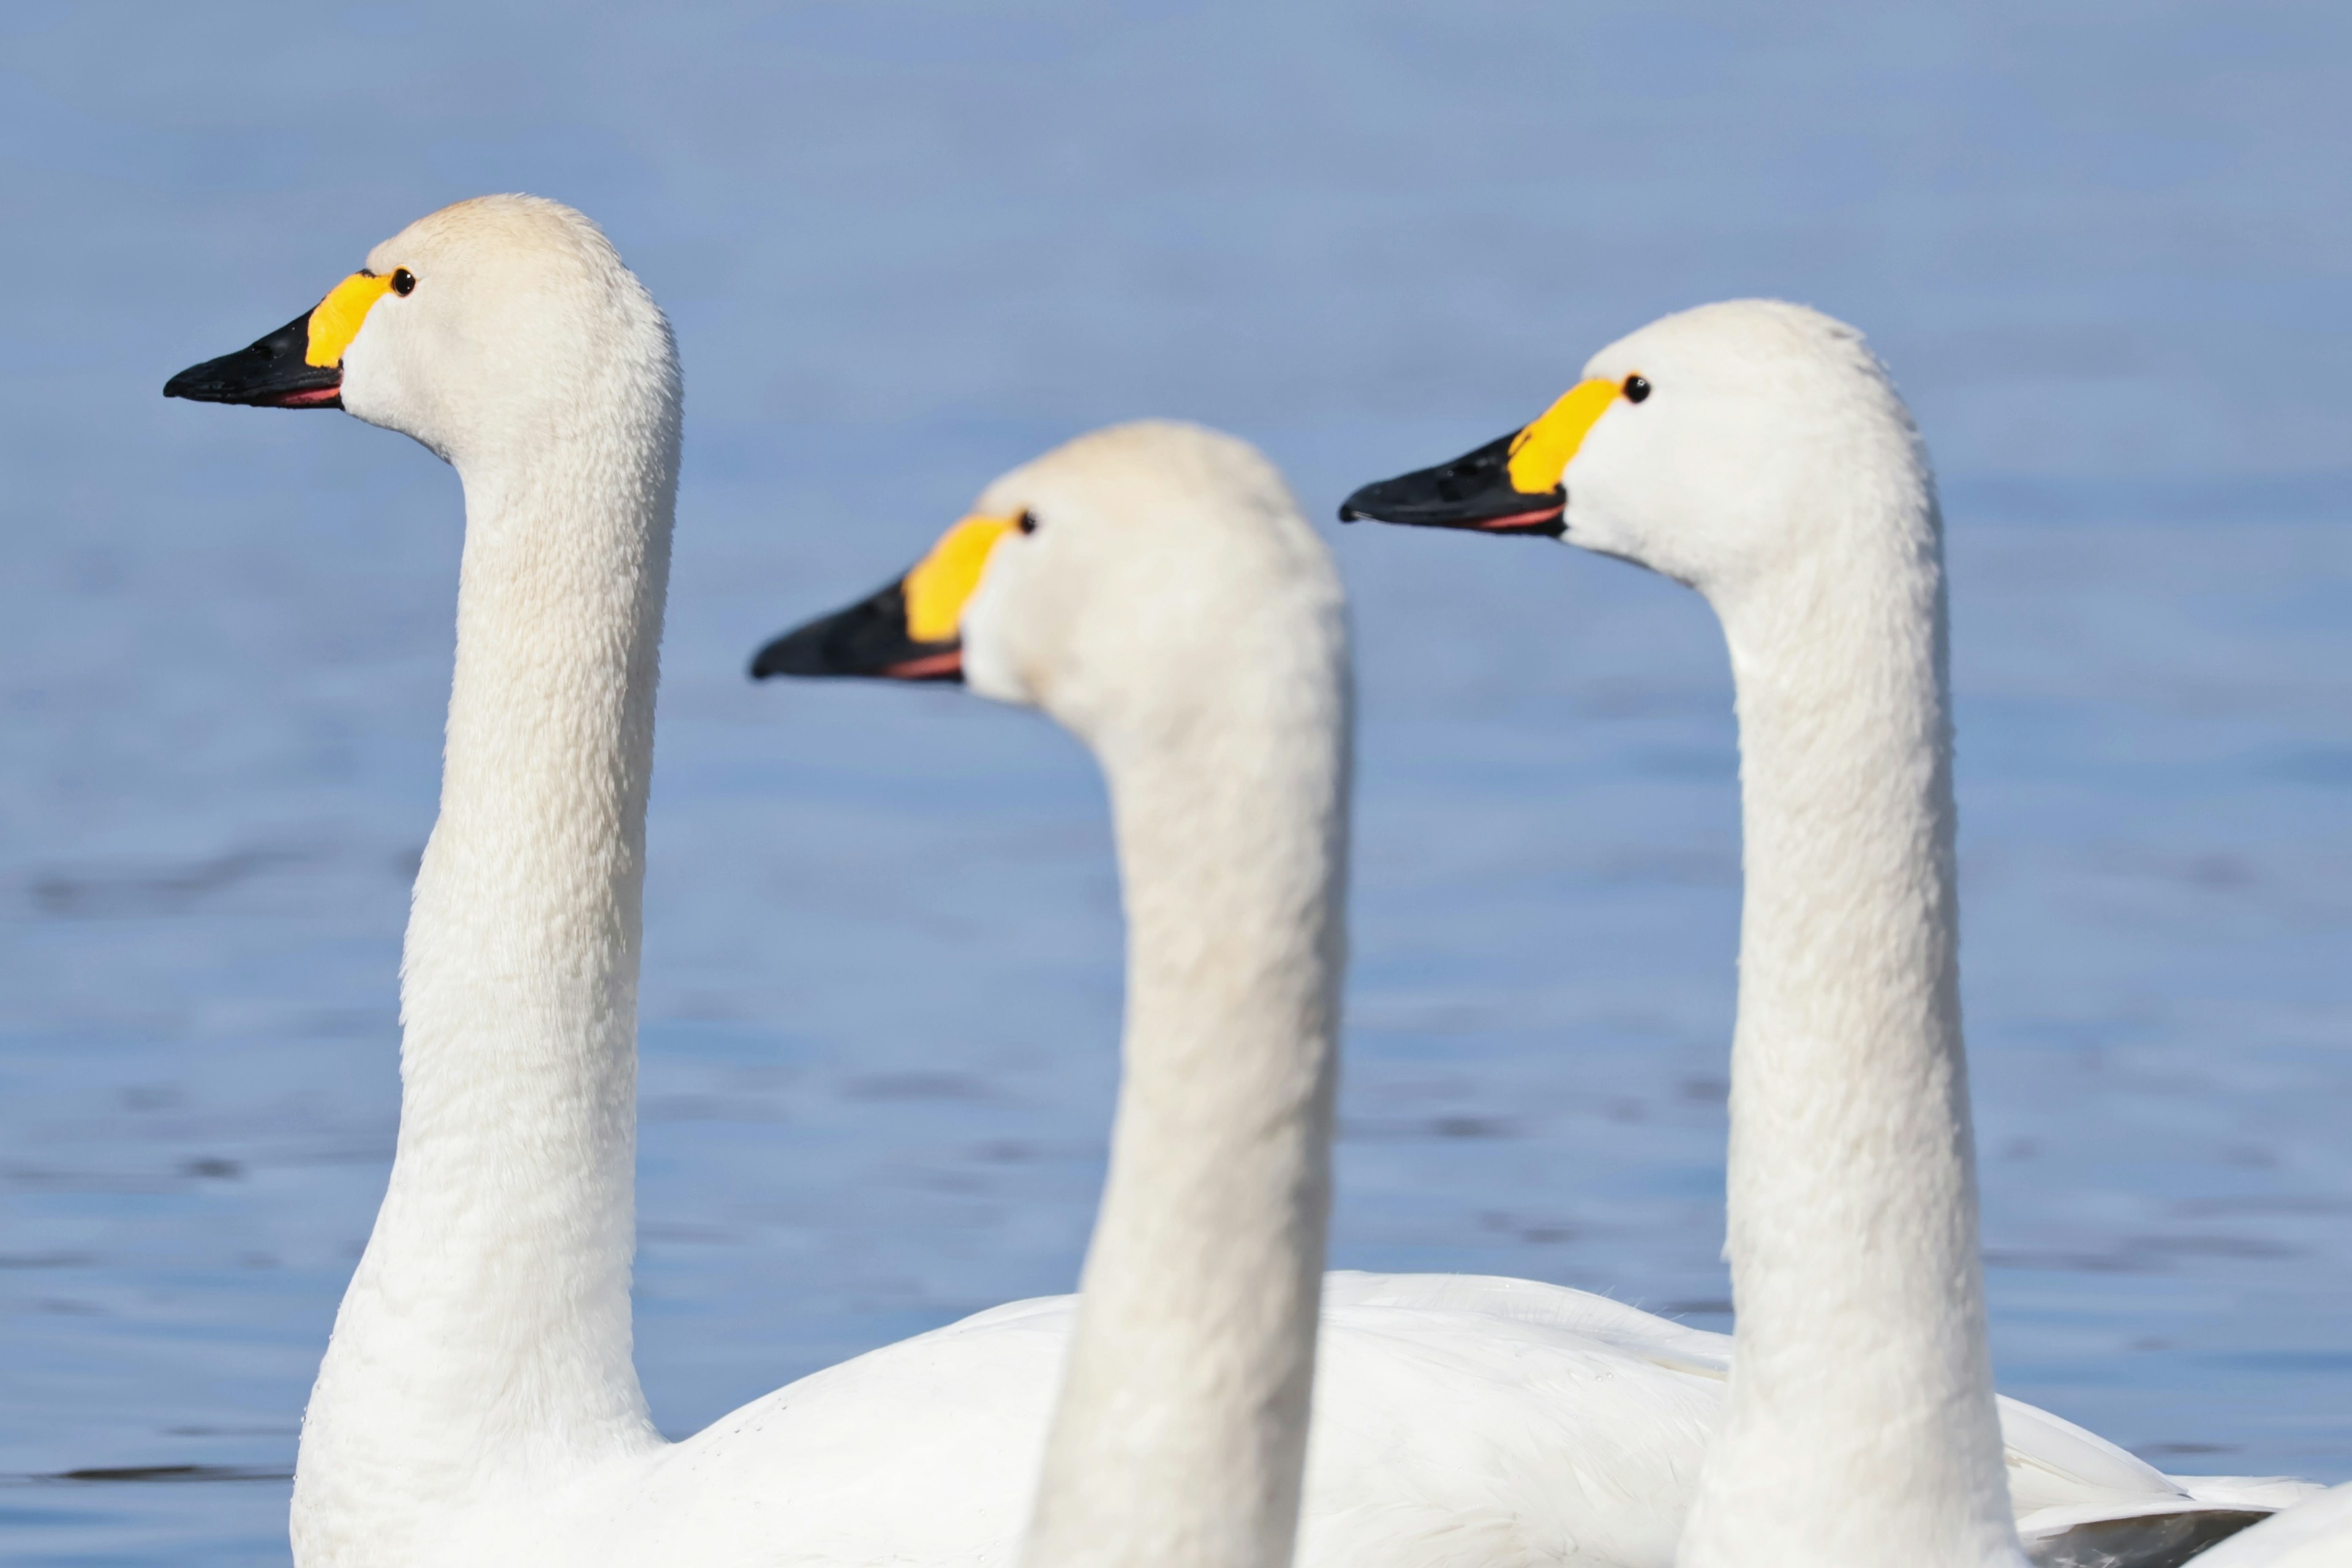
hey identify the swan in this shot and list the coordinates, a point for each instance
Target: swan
(1456, 1419)
(1758, 452)
(1153, 588)
(480, 1369)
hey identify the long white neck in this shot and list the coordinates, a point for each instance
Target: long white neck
(1861, 1427)
(487, 1332)
(1181, 1435)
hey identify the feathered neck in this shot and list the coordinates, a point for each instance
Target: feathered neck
(1861, 1427)
(1181, 1435)
(487, 1332)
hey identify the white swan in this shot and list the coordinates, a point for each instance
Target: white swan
(1758, 452)
(1154, 589)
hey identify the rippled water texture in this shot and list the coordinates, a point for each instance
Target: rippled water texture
(2103, 247)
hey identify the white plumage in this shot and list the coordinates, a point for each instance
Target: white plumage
(478, 1401)
(1487, 1423)
(1758, 452)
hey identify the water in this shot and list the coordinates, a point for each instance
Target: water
(2105, 247)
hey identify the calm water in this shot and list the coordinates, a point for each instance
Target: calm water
(2104, 246)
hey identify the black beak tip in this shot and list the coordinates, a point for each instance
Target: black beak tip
(200, 383)
(795, 652)
(1366, 503)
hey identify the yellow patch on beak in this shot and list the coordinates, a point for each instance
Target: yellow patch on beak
(336, 319)
(1541, 452)
(938, 587)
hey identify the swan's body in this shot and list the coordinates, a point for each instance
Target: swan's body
(1458, 1420)
(1758, 452)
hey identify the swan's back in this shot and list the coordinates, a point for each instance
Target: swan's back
(1459, 1420)
(1466, 1420)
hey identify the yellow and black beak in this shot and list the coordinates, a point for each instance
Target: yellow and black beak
(299, 365)
(269, 373)
(1513, 484)
(907, 630)
(870, 637)
(1474, 491)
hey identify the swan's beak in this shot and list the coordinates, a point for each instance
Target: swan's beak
(911, 630)
(273, 373)
(299, 365)
(870, 637)
(1473, 491)
(1511, 486)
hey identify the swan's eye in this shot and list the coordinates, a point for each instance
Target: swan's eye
(404, 281)
(1637, 387)
(1026, 522)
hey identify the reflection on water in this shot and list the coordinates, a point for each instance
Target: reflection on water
(881, 983)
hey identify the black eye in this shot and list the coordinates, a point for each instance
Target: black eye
(1637, 387)
(1026, 522)
(404, 281)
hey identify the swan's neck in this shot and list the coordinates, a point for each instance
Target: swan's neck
(1860, 1427)
(1181, 1435)
(487, 1332)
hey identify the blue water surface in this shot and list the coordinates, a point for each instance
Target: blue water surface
(907, 245)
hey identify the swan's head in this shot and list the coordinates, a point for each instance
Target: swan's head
(1137, 576)
(1711, 445)
(496, 320)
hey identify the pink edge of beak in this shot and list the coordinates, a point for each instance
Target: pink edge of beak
(930, 664)
(1535, 519)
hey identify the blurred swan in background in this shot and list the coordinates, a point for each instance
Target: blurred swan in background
(1758, 452)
